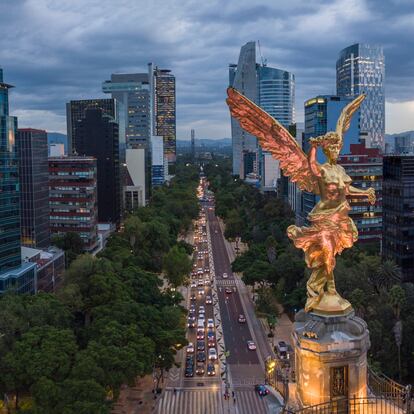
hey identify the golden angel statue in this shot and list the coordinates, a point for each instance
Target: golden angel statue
(331, 230)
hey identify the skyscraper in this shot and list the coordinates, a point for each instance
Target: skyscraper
(274, 91)
(360, 68)
(97, 136)
(193, 155)
(398, 207)
(34, 187)
(9, 184)
(75, 112)
(133, 91)
(14, 275)
(163, 108)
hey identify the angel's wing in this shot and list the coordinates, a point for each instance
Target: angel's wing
(273, 137)
(344, 121)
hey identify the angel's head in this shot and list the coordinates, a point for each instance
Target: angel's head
(331, 146)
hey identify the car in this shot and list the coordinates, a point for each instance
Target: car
(211, 370)
(200, 345)
(191, 323)
(210, 323)
(251, 345)
(242, 319)
(282, 350)
(225, 275)
(193, 297)
(201, 356)
(193, 284)
(190, 348)
(228, 290)
(200, 368)
(261, 389)
(200, 271)
(189, 371)
(201, 292)
(192, 307)
(208, 300)
(200, 333)
(212, 354)
(200, 282)
(201, 309)
(207, 282)
(211, 342)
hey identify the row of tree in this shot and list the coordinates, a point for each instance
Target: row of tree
(111, 321)
(277, 270)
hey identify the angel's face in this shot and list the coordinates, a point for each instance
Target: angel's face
(332, 150)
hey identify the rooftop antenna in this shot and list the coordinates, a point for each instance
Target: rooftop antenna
(264, 61)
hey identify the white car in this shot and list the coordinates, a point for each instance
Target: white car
(193, 284)
(201, 292)
(251, 345)
(201, 309)
(210, 323)
(190, 348)
(212, 354)
(225, 275)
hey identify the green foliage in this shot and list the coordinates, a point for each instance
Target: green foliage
(110, 322)
(71, 243)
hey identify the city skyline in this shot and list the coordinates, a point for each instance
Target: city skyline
(66, 53)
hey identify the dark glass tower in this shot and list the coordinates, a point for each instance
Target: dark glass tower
(97, 135)
(34, 187)
(9, 185)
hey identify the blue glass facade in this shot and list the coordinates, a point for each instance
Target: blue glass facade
(9, 185)
(360, 68)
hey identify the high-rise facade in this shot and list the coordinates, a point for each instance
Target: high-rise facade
(134, 189)
(163, 108)
(9, 184)
(34, 187)
(360, 68)
(364, 166)
(133, 91)
(398, 212)
(158, 161)
(321, 115)
(97, 135)
(75, 112)
(14, 275)
(73, 198)
(274, 91)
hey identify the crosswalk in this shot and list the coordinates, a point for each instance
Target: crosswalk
(187, 401)
(248, 402)
(221, 282)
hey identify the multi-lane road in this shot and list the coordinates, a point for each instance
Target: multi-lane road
(245, 367)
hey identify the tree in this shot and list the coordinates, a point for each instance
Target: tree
(71, 243)
(177, 265)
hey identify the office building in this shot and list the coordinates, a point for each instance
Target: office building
(34, 187)
(56, 150)
(134, 189)
(193, 152)
(14, 275)
(50, 267)
(404, 144)
(398, 212)
(97, 136)
(163, 108)
(364, 166)
(321, 115)
(133, 91)
(75, 112)
(360, 68)
(73, 201)
(274, 91)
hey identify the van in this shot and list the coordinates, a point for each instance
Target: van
(200, 323)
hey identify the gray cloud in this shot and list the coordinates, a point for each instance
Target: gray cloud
(57, 50)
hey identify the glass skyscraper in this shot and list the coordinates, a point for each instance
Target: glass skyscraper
(9, 184)
(14, 275)
(361, 69)
(274, 91)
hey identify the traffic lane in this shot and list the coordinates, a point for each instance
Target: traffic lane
(236, 334)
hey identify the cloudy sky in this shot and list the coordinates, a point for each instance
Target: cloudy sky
(57, 50)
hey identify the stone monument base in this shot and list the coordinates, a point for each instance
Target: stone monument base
(330, 357)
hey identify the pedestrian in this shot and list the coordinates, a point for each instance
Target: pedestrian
(232, 394)
(175, 390)
(234, 400)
